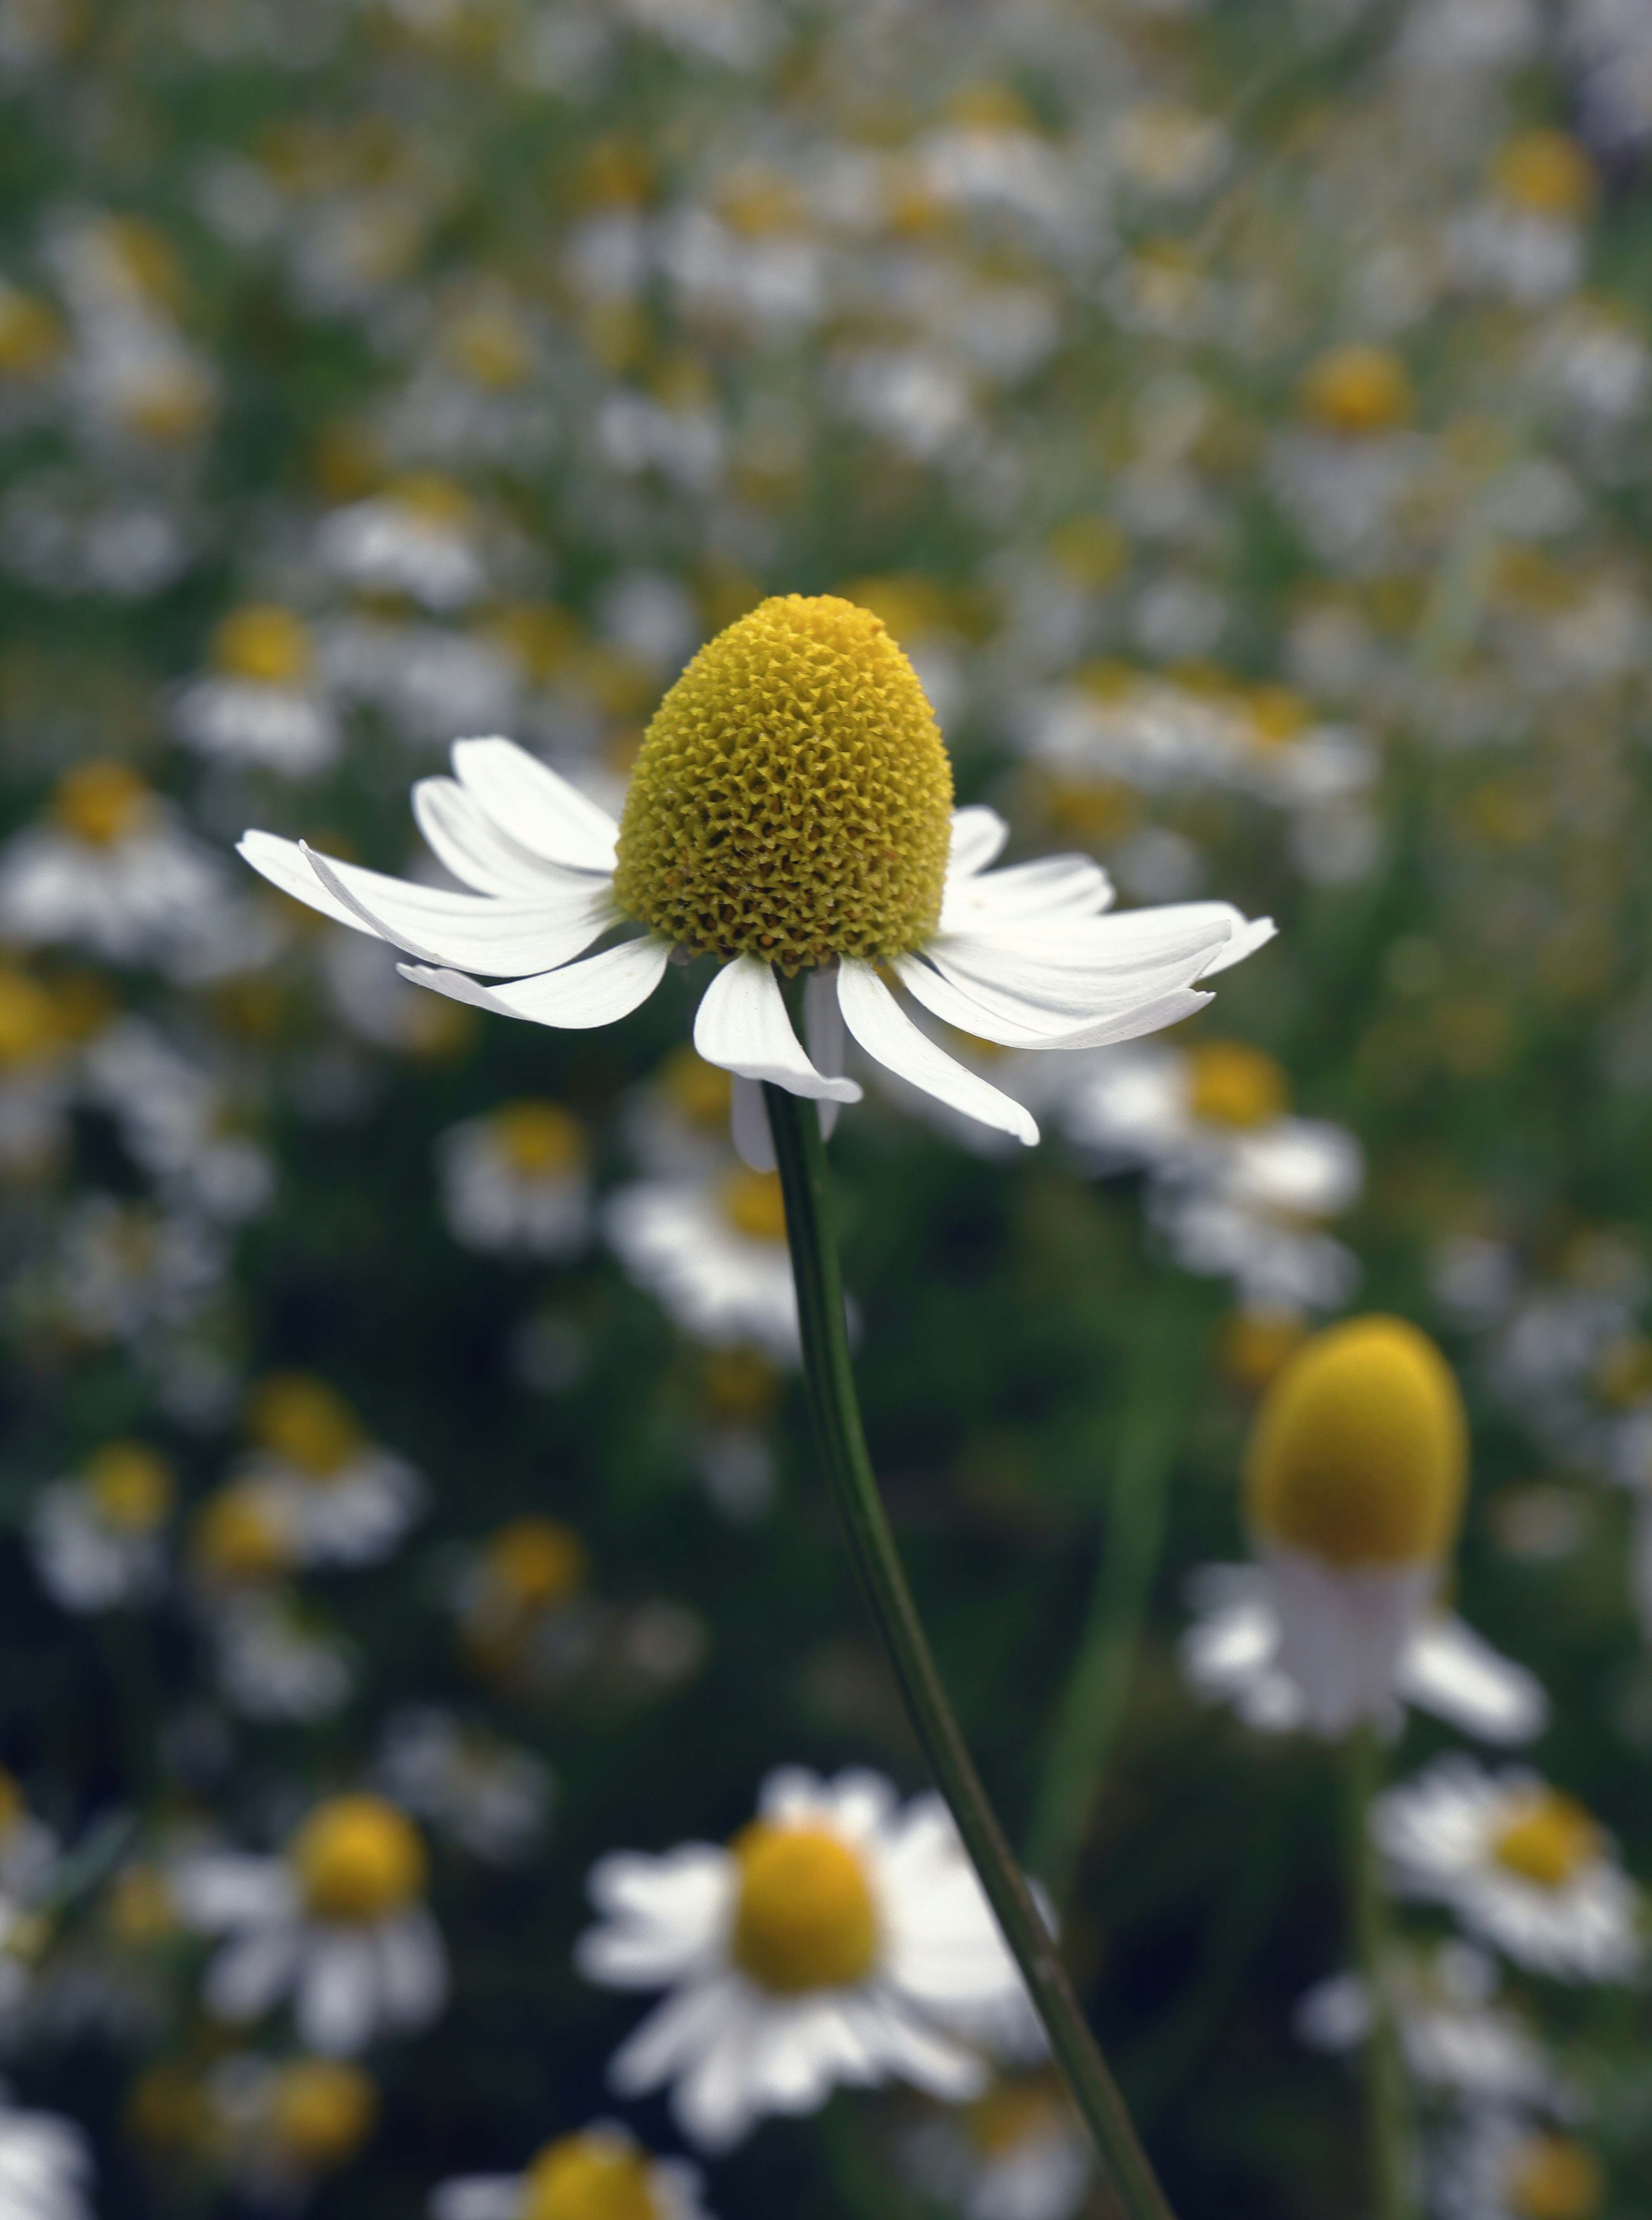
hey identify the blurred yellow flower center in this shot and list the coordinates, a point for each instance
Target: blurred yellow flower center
(698, 1091)
(1278, 715)
(357, 1858)
(141, 1909)
(792, 798)
(12, 1803)
(133, 1488)
(263, 643)
(433, 500)
(174, 405)
(1012, 2113)
(1547, 172)
(739, 1385)
(236, 1540)
(539, 1139)
(804, 1917)
(588, 2177)
(754, 1206)
(1555, 2179)
(1253, 1345)
(30, 333)
(1549, 1841)
(537, 1561)
(1357, 390)
(1231, 1083)
(322, 2112)
(100, 802)
(491, 347)
(1359, 1450)
(302, 1420)
(28, 1022)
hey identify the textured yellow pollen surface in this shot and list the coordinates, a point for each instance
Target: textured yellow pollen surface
(133, 1488)
(792, 798)
(1555, 2179)
(304, 1420)
(1359, 1452)
(1549, 1841)
(805, 1918)
(539, 1138)
(322, 2112)
(1231, 1083)
(358, 1858)
(264, 643)
(590, 2177)
(754, 1206)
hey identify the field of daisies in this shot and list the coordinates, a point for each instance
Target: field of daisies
(1056, 590)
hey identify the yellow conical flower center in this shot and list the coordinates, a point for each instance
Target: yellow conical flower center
(322, 2112)
(30, 335)
(1359, 1450)
(358, 1858)
(804, 1917)
(1547, 172)
(738, 1385)
(100, 802)
(792, 799)
(1357, 390)
(304, 1421)
(263, 643)
(1231, 1083)
(754, 1206)
(698, 1091)
(538, 1140)
(588, 2177)
(1550, 1840)
(235, 1539)
(29, 1026)
(537, 1561)
(1555, 2179)
(1010, 2114)
(133, 1489)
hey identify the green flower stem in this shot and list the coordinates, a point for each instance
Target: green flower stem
(801, 1155)
(1387, 2123)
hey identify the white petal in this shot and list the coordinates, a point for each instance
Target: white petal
(1448, 1670)
(669, 2039)
(336, 2008)
(978, 834)
(463, 836)
(478, 2197)
(597, 991)
(1030, 1025)
(246, 1978)
(1054, 886)
(281, 861)
(528, 800)
(748, 1122)
(1245, 935)
(884, 1031)
(471, 931)
(823, 1037)
(743, 1025)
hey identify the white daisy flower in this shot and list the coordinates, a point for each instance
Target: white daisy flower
(740, 1390)
(677, 1122)
(1354, 1477)
(597, 2174)
(125, 1273)
(339, 1497)
(34, 1040)
(338, 1923)
(280, 2126)
(261, 703)
(1458, 2038)
(45, 2166)
(518, 1179)
(713, 1250)
(418, 538)
(273, 1661)
(1526, 239)
(837, 1940)
(1230, 1653)
(523, 1603)
(96, 1538)
(176, 1118)
(790, 810)
(1017, 2152)
(1522, 1865)
(1500, 2167)
(492, 1799)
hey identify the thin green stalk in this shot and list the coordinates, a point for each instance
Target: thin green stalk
(801, 1155)
(1387, 2123)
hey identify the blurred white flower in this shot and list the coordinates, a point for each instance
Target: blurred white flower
(713, 1250)
(45, 2166)
(1459, 2040)
(492, 1799)
(602, 2170)
(518, 1179)
(1016, 2152)
(96, 1537)
(262, 701)
(336, 1495)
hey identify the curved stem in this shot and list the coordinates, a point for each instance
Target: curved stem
(800, 1154)
(1387, 2123)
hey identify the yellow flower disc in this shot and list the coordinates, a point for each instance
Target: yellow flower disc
(588, 2177)
(805, 1918)
(1231, 1083)
(236, 1541)
(1357, 390)
(754, 1206)
(322, 2112)
(738, 1385)
(792, 798)
(31, 333)
(100, 802)
(537, 1561)
(263, 643)
(1012, 2114)
(29, 1023)
(357, 1858)
(302, 1420)
(1547, 172)
(133, 1488)
(1555, 2179)
(1359, 1451)
(539, 1139)
(696, 1090)
(1550, 1840)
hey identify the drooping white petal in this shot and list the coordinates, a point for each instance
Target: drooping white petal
(461, 834)
(337, 2004)
(1245, 934)
(597, 991)
(473, 933)
(283, 863)
(1015, 1022)
(1055, 991)
(978, 834)
(823, 1037)
(743, 1025)
(1053, 887)
(748, 1121)
(1449, 1670)
(534, 805)
(884, 1031)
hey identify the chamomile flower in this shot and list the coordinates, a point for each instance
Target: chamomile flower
(1460, 2040)
(1354, 1477)
(523, 1603)
(713, 1250)
(273, 1660)
(492, 1799)
(96, 1537)
(838, 1939)
(34, 1076)
(601, 2174)
(790, 811)
(1016, 2152)
(518, 1179)
(1230, 1655)
(418, 538)
(338, 1923)
(279, 2127)
(1522, 1865)
(45, 2166)
(341, 1499)
(1500, 2167)
(262, 701)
